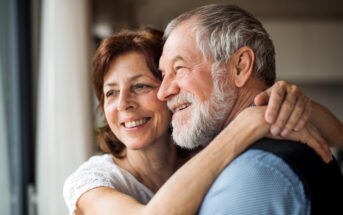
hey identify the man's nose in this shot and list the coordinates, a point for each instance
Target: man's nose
(168, 88)
(126, 101)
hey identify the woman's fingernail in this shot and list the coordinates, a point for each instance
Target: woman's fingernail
(330, 159)
(275, 130)
(297, 127)
(285, 132)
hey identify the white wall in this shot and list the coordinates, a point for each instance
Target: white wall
(307, 50)
(309, 53)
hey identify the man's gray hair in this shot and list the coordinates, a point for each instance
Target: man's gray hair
(222, 29)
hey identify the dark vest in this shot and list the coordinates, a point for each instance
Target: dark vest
(323, 182)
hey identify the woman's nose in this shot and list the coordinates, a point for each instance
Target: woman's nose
(126, 102)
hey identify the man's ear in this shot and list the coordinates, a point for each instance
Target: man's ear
(243, 65)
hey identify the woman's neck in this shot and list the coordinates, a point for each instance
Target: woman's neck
(152, 165)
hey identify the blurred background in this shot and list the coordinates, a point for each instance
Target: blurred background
(47, 108)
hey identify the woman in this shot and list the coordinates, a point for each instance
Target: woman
(137, 136)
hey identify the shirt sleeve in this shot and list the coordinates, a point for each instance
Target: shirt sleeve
(93, 173)
(257, 182)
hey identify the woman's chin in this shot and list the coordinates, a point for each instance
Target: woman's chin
(137, 145)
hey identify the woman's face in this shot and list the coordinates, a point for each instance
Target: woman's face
(131, 107)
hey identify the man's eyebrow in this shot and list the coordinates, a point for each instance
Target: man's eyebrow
(174, 59)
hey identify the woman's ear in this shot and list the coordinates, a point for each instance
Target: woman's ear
(244, 62)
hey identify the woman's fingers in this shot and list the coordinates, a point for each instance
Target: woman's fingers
(276, 96)
(305, 116)
(294, 117)
(326, 154)
(310, 136)
(299, 116)
(262, 98)
(288, 107)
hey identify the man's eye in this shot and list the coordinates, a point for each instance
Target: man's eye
(179, 67)
(162, 73)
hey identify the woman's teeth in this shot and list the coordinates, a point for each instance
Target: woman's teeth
(135, 123)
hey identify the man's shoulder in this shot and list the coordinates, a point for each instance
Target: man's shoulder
(263, 164)
(322, 182)
(259, 167)
(275, 177)
(286, 149)
(305, 162)
(256, 182)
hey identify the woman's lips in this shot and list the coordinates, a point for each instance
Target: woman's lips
(136, 123)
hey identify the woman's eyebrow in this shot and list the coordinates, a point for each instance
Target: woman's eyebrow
(111, 84)
(133, 78)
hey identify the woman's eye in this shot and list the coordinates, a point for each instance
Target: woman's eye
(141, 87)
(110, 93)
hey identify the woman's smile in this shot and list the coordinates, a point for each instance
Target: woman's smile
(138, 123)
(132, 109)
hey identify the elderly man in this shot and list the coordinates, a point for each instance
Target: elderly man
(216, 60)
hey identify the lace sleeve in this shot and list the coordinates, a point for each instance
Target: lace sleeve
(91, 174)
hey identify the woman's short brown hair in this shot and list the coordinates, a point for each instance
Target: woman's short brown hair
(147, 42)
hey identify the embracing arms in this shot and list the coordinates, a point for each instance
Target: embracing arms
(192, 181)
(184, 191)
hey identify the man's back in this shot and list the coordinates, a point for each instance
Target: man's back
(276, 177)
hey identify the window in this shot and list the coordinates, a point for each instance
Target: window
(16, 135)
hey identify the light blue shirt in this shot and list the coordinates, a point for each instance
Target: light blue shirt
(256, 182)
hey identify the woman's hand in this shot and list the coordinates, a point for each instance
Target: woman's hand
(252, 119)
(310, 136)
(288, 109)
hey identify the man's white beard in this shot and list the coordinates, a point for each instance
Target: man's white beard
(206, 117)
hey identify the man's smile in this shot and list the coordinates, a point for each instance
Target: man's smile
(181, 107)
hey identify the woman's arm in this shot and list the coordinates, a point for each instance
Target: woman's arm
(194, 178)
(184, 191)
(328, 125)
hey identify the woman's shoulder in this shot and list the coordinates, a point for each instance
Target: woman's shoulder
(104, 161)
(102, 171)
(97, 171)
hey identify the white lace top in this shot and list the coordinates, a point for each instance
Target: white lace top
(101, 171)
